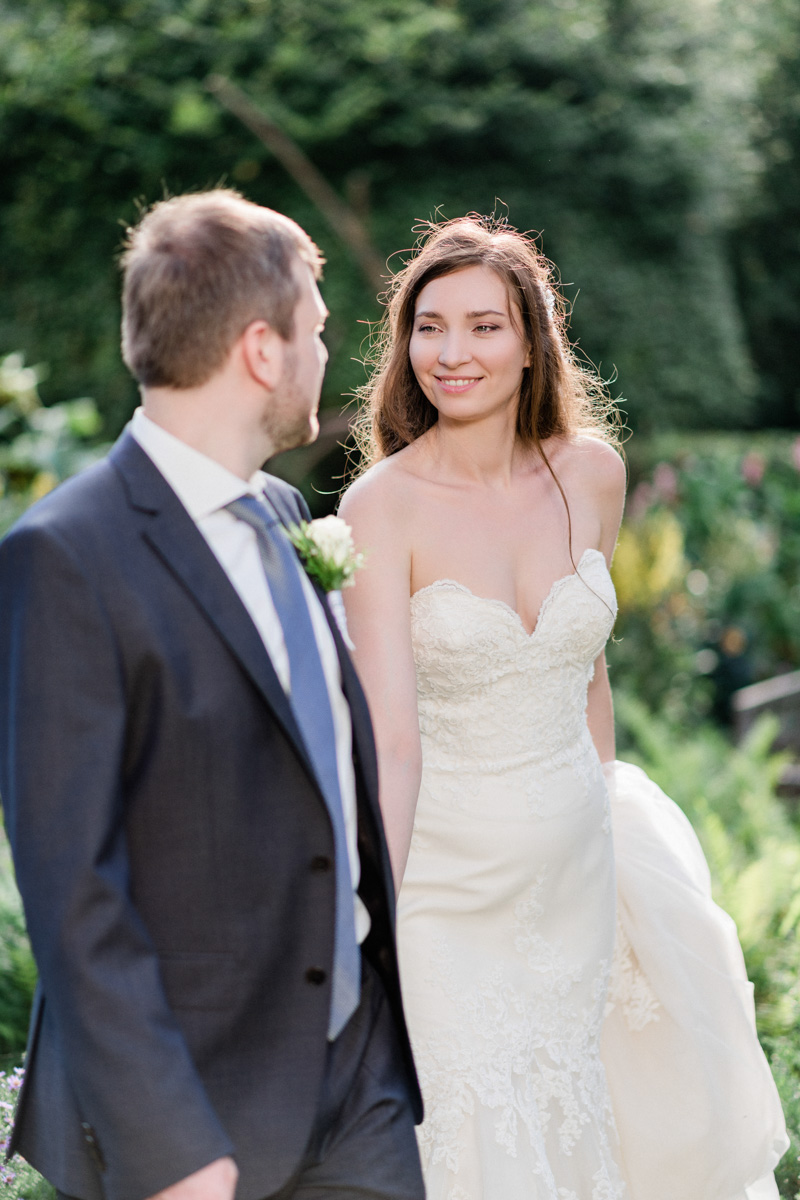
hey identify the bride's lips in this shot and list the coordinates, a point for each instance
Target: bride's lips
(456, 383)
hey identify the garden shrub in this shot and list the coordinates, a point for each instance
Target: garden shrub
(18, 1180)
(17, 969)
(39, 446)
(707, 570)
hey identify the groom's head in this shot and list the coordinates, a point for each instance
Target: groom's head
(198, 269)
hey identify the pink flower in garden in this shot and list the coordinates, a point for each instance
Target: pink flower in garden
(796, 453)
(753, 468)
(640, 501)
(665, 482)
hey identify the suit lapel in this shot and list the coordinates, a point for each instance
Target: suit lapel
(172, 534)
(364, 746)
(363, 742)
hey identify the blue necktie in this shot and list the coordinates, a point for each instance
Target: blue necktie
(312, 710)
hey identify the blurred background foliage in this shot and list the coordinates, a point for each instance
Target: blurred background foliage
(707, 570)
(652, 143)
(39, 446)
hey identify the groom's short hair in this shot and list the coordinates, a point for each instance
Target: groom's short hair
(197, 270)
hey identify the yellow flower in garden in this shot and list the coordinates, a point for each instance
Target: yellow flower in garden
(649, 562)
(41, 484)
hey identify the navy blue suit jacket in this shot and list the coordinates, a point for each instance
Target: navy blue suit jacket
(172, 849)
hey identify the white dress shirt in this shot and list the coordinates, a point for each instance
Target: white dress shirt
(204, 487)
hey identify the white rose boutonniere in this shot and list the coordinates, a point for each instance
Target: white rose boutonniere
(329, 556)
(327, 550)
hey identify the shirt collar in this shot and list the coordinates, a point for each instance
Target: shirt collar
(202, 485)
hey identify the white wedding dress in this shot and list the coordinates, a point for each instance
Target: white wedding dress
(581, 1032)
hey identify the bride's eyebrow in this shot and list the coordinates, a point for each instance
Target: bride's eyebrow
(471, 316)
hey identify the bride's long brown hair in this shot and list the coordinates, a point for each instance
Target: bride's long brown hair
(559, 394)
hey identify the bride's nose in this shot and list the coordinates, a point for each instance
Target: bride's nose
(453, 350)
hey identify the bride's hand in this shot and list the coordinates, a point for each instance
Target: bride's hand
(217, 1181)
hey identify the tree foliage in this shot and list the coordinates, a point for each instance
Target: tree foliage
(766, 246)
(621, 129)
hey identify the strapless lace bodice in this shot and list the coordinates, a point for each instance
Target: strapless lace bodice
(489, 692)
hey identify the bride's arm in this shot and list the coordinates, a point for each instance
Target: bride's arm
(608, 485)
(600, 712)
(379, 621)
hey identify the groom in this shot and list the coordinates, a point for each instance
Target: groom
(188, 773)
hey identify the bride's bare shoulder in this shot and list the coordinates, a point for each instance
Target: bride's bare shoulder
(384, 492)
(594, 475)
(592, 464)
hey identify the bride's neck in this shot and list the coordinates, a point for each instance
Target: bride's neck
(485, 453)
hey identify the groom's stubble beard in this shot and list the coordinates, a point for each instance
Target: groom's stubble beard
(290, 420)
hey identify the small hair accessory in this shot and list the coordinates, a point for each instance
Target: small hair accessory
(493, 223)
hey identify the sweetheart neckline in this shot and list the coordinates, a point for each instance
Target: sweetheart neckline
(554, 587)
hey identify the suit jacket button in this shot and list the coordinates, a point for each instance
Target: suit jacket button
(316, 975)
(90, 1137)
(321, 862)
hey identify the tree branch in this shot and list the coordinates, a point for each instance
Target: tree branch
(342, 219)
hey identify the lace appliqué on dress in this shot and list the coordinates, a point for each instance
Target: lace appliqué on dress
(628, 986)
(530, 1057)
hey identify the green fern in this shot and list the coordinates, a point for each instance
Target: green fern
(753, 849)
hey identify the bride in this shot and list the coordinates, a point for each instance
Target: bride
(578, 1007)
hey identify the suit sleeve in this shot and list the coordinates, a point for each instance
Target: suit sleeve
(62, 735)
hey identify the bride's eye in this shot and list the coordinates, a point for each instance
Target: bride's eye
(426, 328)
(486, 328)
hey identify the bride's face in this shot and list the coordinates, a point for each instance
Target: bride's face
(466, 348)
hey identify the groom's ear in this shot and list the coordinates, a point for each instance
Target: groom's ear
(263, 352)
